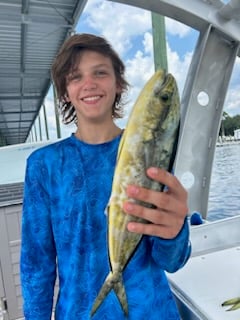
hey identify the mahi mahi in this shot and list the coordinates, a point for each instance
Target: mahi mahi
(149, 139)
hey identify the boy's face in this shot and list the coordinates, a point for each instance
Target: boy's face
(92, 87)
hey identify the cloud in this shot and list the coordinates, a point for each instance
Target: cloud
(232, 102)
(118, 23)
(141, 67)
(179, 66)
(176, 28)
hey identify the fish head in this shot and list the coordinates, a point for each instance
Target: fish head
(160, 113)
(153, 124)
(165, 104)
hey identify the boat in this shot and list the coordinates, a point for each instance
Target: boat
(211, 275)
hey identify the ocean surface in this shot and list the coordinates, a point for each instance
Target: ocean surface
(224, 196)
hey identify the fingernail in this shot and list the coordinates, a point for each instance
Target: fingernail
(153, 171)
(133, 190)
(129, 207)
(131, 227)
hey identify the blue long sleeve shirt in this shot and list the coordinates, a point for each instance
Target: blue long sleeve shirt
(64, 232)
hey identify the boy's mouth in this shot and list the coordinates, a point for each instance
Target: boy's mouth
(91, 98)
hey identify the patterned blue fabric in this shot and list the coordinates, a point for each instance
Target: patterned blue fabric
(67, 187)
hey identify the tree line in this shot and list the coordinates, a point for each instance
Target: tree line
(229, 124)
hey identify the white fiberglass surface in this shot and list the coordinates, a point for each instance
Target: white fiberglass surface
(209, 279)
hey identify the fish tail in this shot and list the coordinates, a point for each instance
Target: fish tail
(231, 301)
(113, 281)
(234, 307)
(121, 294)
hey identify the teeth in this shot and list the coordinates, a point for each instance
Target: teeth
(91, 98)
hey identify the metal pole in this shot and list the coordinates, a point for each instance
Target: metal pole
(35, 131)
(56, 114)
(45, 121)
(31, 136)
(39, 125)
(159, 41)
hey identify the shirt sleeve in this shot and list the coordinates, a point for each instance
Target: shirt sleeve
(38, 254)
(172, 254)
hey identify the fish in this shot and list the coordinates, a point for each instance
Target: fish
(149, 139)
(234, 303)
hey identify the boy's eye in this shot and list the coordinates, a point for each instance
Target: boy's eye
(100, 73)
(74, 77)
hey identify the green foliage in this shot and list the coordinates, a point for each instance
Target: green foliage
(229, 124)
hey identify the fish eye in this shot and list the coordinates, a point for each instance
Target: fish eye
(165, 97)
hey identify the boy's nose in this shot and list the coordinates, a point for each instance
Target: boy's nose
(89, 83)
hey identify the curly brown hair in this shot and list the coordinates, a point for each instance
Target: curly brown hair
(66, 61)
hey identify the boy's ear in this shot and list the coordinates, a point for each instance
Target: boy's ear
(119, 88)
(66, 98)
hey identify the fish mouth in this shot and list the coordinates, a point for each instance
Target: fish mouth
(167, 77)
(165, 80)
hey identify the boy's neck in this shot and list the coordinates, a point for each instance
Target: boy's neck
(95, 134)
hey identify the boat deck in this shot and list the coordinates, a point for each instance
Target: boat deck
(212, 274)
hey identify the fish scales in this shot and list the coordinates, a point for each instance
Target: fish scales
(149, 139)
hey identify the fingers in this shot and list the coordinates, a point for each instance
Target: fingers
(154, 230)
(158, 222)
(169, 180)
(174, 199)
(160, 200)
(170, 207)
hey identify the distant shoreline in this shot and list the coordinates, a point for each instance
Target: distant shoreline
(227, 143)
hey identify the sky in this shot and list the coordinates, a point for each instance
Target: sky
(129, 30)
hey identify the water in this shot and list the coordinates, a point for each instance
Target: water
(224, 197)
